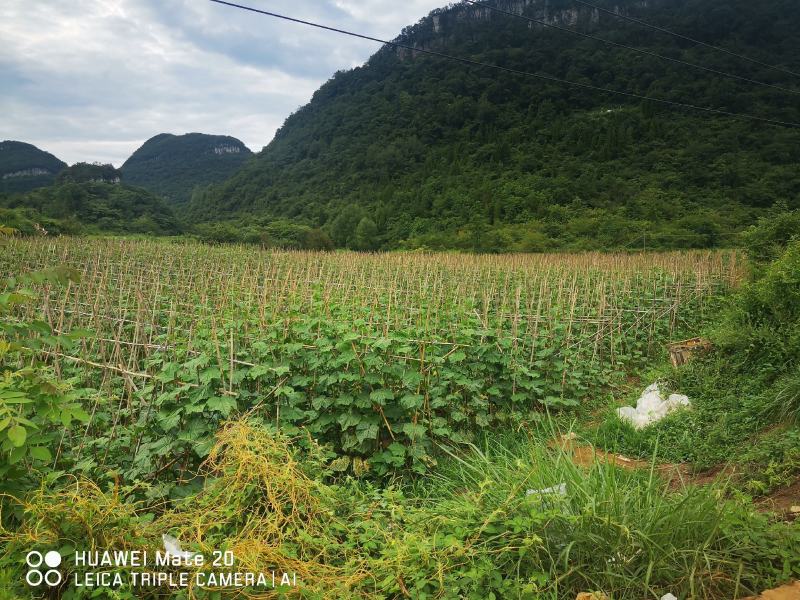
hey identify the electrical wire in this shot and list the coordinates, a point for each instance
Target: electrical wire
(550, 78)
(631, 48)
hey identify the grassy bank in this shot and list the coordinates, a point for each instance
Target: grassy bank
(473, 532)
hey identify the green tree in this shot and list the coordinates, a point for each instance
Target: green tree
(344, 226)
(316, 239)
(366, 235)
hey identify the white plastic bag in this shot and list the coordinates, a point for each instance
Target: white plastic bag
(651, 407)
(173, 548)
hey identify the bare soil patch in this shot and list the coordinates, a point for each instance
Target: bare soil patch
(785, 502)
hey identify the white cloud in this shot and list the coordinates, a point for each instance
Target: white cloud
(388, 17)
(92, 79)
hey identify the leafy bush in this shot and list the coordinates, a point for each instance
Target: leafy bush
(775, 297)
(772, 463)
(767, 240)
(34, 404)
(787, 400)
(280, 233)
(27, 221)
(353, 393)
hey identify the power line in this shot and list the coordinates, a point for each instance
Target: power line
(550, 78)
(686, 38)
(631, 48)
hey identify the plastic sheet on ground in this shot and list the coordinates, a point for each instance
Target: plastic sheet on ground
(556, 490)
(651, 407)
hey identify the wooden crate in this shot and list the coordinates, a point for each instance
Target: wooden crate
(681, 352)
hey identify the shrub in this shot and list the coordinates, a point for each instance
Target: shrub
(34, 405)
(766, 241)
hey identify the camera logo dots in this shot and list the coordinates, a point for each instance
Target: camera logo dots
(43, 568)
(52, 559)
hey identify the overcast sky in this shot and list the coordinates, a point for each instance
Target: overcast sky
(90, 80)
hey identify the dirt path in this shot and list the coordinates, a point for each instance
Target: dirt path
(784, 502)
(585, 455)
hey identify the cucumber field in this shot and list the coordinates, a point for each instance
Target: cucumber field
(375, 355)
(370, 425)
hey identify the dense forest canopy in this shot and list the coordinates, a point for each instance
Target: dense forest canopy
(411, 151)
(173, 165)
(24, 167)
(50, 197)
(88, 206)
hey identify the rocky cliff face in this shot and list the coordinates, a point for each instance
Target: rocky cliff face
(24, 167)
(227, 149)
(27, 173)
(433, 30)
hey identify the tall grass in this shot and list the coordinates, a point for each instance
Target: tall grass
(627, 533)
(475, 533)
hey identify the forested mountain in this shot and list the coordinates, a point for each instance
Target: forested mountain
(89, 205)
(173, 165)
(414, 150)
(24, 167)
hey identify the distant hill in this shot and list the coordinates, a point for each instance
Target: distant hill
(89, 206)
(24, 167)
(173, 165)
(412, 150)
(89, 173)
